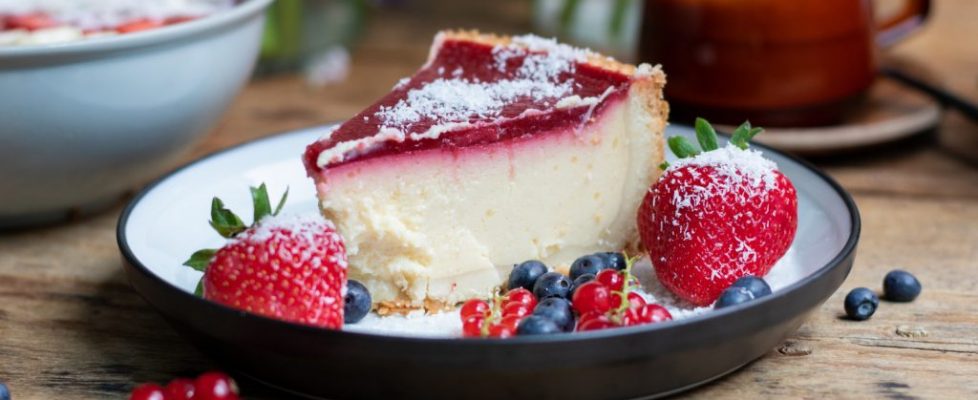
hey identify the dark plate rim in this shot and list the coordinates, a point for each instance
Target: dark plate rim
(845, 253)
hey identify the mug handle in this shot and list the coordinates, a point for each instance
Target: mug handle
(909, 19)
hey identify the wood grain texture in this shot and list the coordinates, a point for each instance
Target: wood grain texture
(70, 326)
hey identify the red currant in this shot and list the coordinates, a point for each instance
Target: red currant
(472, 326)
(655, 313)
(516, 309)
(612, 279)
(594, 322)
(501, 330)
(634, 300)
(522, 296)
(591, 297)
(474, 307)
(215, 386)
(147, 391)
(180, 389)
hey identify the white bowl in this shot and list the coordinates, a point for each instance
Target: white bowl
(83, 122)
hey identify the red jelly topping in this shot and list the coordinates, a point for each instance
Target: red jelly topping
(489, 93)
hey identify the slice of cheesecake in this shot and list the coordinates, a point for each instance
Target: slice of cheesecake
(498, 150)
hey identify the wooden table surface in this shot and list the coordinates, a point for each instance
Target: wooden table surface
(71, 327)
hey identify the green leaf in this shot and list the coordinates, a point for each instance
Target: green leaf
(260, 202)
(706, 135)
(199, 291)
(200, 259)
(281, 203)
(681, 147)
(664, 166)
(225, 222)
(743, 134)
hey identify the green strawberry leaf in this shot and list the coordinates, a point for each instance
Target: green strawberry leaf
(743, 135)
(706, 135)
(199, 290)
(200, 259)
(225, 222)
(664, 166)
(281, 203)
(682, 148)
(261, 204)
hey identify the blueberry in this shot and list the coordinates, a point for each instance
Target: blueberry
(900, 286)
(756, 286)
(536, 325)
(732, 296)
(4, 392)
(861, 303)
(525, 275)
(356, 303)
(557, 310)
(615, 260)
(578, 282)
(552, 284)
(590, 264)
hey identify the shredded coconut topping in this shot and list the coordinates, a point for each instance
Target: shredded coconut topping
(455, 99)
(736, 167)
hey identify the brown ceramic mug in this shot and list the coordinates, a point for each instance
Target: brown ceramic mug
(774, 62)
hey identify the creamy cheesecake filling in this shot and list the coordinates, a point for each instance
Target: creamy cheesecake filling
(448, 224)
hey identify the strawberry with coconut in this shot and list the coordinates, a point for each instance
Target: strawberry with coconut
(716, 215)
(285, 267)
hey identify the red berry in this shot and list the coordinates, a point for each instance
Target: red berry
(147, 391)
(501, 330)
(634, 300)
(612, 279)
(511, 321)
(472, 326)
(594, 322)
(655, 313)
(591, 297)
(706, 225)
(136, 26)
(286, 268)
(180, 389)
(215, 386)
(474, 307)
(517, 310)
(522, 296)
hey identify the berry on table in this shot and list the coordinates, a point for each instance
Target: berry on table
(356, 302)
(179, 389)
(861, 303)
(552, 284)
(215, 386)
(4, 392)
(589, 264)
(537, 325)
(525, 274)
(755, 285)
(900, 286)
(557, 310)
(147, 391)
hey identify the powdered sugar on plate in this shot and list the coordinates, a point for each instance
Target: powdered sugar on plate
(448, 324)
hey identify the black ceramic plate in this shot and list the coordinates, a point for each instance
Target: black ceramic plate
(166, 222)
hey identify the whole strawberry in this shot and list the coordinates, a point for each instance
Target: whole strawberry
(289, 268)
(716, 216)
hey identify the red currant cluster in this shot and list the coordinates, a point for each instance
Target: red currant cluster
(207, 386)
(609, 301)
(499, 319)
